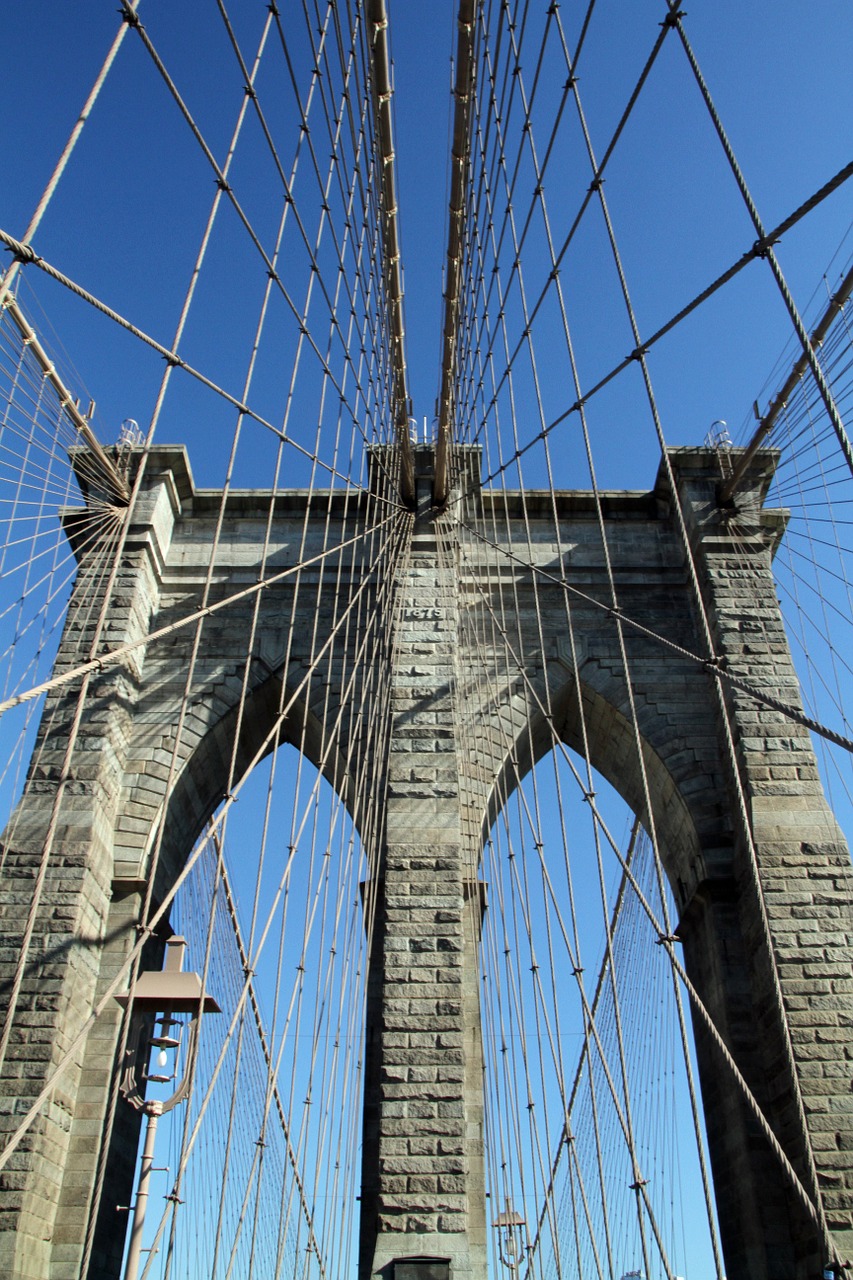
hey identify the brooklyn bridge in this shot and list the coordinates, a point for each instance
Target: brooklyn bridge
(423, 843)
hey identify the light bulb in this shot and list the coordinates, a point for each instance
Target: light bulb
(162, 1057)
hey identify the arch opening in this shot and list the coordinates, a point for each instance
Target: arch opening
(589, 1054)
(266, 1149)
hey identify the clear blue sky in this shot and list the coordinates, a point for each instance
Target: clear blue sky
(779, 72)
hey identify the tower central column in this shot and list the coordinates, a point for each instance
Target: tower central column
(423, 1200)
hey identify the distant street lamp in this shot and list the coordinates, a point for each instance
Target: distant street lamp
(156, 998)
(509, 1250)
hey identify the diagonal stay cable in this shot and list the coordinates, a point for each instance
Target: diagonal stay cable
(766, 242)
(751, 255)
(27, 254)
(133, 19)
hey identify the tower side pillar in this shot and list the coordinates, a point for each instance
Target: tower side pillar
(57, 856)
(423, 1195)
(769, 936)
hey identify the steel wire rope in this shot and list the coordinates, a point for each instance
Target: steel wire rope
(557, 538)
(296, 594)
(833, 737)
(294, 842)
(383, 712)
(819, 689)
(525, 898)
(618, 1002)
(115, 655)
(819, 571)
(47, 848)
(598, 177)
(566, 1137)
(324, 186)
(251, 638)
(444, 558)
(758, 695)
(487, 444)
(105, 528)
(262, 1037)
(518, 1042)
(367, 194)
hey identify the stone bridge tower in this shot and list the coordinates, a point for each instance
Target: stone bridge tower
(758, 866)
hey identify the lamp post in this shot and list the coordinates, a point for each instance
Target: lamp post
(158, 996)
(507, 1222)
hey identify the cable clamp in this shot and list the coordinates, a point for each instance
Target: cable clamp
(664, 939)
(639, 1184)
(596, 184)
(23, 253)
(250, 92)
(273, 8)
(672, 18)
(129, 16)
(763, 245)
(639, 353)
